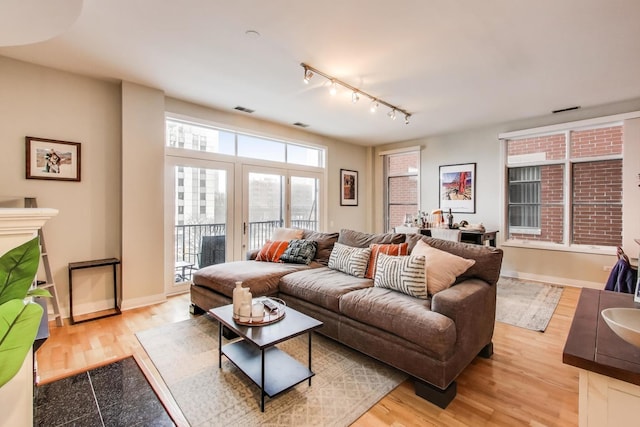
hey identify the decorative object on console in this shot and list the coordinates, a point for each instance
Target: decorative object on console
(442, 268)
(348, 188)
(355, 93)
(52, 159)
(458, 187)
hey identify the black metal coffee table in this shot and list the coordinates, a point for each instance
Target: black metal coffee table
(256, 354)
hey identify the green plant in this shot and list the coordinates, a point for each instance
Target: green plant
(19, 317)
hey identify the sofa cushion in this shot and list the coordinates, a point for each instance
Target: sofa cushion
(403, 274)
(322, 287)
(349, 260)
(488, 259)
(442, 268)
(300, 251)
(358, 239)
(407, 317)
(325, 244)
(381, 248)
(271, 251)
(282, 233)
(260, 277)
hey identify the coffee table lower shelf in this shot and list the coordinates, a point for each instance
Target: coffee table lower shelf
(281, 371)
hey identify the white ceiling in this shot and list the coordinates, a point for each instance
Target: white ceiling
(454, 64)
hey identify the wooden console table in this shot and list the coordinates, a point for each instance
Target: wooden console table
(92, 264)
(609, 366)
(468, 236)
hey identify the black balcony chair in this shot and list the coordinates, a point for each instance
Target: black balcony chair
(212, 251)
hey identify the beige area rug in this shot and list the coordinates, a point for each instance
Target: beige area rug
(345, 386)
(526, 304)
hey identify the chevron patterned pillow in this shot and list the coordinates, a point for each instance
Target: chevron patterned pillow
(401, 273)
(349, 260)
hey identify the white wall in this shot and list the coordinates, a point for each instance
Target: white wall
(482, 146)
(41, 102)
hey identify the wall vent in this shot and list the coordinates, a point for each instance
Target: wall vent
(243, 109)
(302, 125)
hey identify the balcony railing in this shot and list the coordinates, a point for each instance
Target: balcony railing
(189, 237)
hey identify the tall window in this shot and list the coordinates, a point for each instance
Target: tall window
(402, 176)
(566, 188)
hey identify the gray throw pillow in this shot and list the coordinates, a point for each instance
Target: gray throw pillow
(300, 251)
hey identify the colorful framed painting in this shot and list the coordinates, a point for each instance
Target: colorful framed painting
(52, 159)
(348, 188)
(458, 188)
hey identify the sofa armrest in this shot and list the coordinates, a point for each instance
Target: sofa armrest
(472, 307)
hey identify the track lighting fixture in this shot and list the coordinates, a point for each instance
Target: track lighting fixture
(333, 89)
(307, 75)
(355, 93)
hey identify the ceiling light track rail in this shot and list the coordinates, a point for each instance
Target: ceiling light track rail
(356, 93)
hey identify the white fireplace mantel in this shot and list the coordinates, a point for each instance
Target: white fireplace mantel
(17, 226)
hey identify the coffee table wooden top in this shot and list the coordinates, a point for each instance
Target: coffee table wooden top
(593, 346)
(293, 324)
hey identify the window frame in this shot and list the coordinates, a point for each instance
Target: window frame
(567, 162)
(386, 177)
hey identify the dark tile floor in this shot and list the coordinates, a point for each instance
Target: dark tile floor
(117, 394)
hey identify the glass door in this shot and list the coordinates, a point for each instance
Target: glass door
(264, 205)
(201, 223)
(304, 212)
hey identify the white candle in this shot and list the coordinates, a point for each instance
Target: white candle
(257, 312)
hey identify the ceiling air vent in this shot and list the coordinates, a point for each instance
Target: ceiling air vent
(243, 109)
(302, 125)
(562, 110)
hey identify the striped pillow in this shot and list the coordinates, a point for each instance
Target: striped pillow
(271, 251)
(389, 249)
(349, 260)
(404, 274)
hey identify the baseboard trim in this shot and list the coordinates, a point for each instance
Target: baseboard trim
(563, 281)
(131, 303)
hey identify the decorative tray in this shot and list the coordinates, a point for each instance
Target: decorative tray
(268, 317)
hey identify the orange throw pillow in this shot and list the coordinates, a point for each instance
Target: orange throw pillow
(271, 251)
(388, 249)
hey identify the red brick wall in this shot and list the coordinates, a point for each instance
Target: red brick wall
(597, 203)
(553, 145)
(596, 142)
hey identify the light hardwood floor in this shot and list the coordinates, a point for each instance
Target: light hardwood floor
(524, 383)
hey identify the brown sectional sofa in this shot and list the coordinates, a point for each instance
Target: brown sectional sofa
(432, 340)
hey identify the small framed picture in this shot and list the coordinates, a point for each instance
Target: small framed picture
(52, 159)
(348, 188)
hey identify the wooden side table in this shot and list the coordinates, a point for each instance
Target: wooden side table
(92, 264)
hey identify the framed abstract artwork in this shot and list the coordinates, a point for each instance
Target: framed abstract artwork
(458, 188)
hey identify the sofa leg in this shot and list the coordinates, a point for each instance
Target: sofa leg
(194, 309)
(435, 395)
(487, 351)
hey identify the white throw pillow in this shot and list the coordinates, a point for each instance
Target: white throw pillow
(349, 260)
(401, 273)
(441, 268)
(286, 234)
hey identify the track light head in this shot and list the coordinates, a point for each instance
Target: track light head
(374, 106)
(406, 118)
(392, 114)
(355, 97)
(307, 75)
(332, 88)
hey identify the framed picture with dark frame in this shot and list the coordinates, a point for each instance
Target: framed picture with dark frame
(52, 159)
(348, 188)
(458, 188)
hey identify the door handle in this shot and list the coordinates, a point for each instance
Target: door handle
(244, 228)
